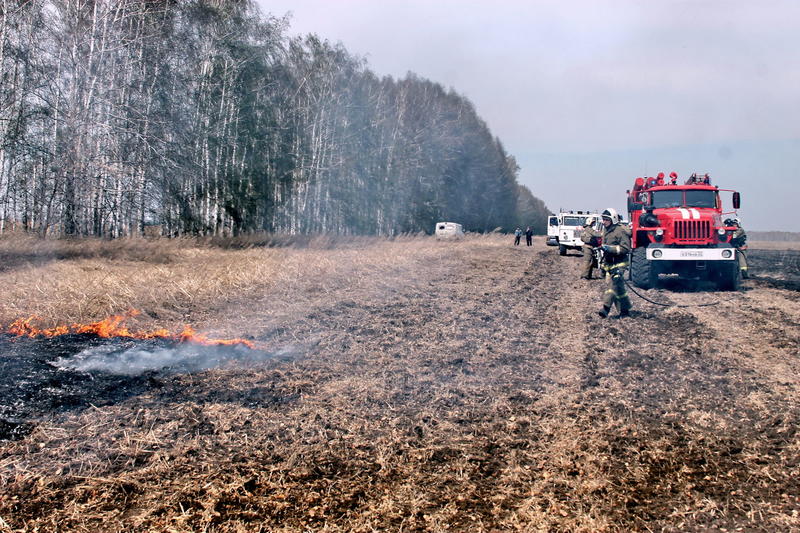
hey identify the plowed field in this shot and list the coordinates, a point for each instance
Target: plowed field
(465, 386)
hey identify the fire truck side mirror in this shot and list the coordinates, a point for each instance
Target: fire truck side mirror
(737, 200)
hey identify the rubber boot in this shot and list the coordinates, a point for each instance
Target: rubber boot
(604, 311)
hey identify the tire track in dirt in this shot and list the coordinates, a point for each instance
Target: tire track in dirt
(758, 337)
(757, 330)
(677, 376)
(566, 325)
(682, 360)
(492, 310)
(465, 363)
(577, 402)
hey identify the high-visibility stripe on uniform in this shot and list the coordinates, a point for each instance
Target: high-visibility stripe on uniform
(617, 265)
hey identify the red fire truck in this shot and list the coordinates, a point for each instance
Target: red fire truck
(679, 229)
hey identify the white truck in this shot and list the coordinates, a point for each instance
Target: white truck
(564, 230)
(449, 230)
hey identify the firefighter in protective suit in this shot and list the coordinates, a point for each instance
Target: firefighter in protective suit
(591, 240)
(616, 247)
(739, 241)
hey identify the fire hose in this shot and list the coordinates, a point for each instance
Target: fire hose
(600, 263)
(662, 304)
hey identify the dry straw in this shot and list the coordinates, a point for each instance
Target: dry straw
(459, 386)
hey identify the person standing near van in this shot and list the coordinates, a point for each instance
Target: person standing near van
(529, 236)
(517, 236)
(591, 240)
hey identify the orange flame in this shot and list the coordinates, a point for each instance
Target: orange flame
(114, 326)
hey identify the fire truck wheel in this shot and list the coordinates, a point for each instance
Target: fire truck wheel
(643, 272)
(562, 250)
(729, 277)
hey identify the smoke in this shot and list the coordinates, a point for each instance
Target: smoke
(180, 359)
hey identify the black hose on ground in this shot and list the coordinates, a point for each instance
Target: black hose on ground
(600, 262)
(666, 305)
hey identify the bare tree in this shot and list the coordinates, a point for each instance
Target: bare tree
(202, 117)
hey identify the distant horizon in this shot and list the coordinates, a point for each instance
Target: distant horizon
(795, 233)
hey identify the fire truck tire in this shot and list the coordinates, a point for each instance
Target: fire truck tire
(562, 250)
(643, 272)
(729, 277)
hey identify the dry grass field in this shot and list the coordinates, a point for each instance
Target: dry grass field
(400, 385)
(775, 245)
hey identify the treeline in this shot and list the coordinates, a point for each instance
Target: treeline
(203, 117)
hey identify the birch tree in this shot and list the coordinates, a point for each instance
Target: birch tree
(202, 117)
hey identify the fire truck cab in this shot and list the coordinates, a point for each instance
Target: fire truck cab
(564, 229)
(679, 229)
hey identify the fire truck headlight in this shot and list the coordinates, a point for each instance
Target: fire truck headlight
(721, 232)
(659, 232)
(656, 254)
(725, 253)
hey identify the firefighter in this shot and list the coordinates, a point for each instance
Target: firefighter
(739, 240)
(616, 246)
(591, 240)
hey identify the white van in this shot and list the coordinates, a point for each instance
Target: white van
(449, 230)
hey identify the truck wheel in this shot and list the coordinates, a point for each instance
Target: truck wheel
(729, 277)
(562, 250)
(643, 272)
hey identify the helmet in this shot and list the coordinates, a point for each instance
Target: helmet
(728, 222)
(737, 221)
(612, 215)
(588, 222)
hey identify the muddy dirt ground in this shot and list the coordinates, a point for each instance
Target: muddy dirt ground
(476, 391)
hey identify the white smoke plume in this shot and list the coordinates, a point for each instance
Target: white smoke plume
(183, 358)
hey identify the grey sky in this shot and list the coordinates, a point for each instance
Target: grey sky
(588, 95)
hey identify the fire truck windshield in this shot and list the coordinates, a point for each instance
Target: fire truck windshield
(693, 198)
(701, 199)
(667, 199)
(573, 221)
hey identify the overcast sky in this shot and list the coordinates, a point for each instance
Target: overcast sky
(588, 95)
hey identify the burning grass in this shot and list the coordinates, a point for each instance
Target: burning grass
(115, 326)
(422, 388)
